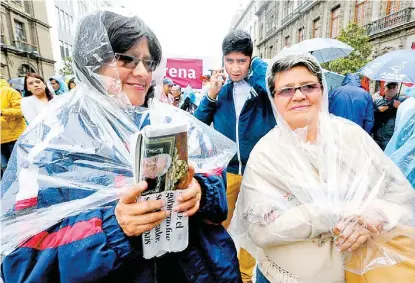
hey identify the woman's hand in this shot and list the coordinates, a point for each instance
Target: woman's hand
(135, 217)
(354, 232)
(190, 198)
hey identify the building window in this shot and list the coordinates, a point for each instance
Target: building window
(270, 52)
(20, 31)
(24, 69)
(300, 34)
(335, 22)
(288, 9)
(68, 25)
(62, 49)
(360, 12)
(66, 49)
(316, 28)
(62, 19)
(270, 18)
(261, 32)
(70, 50)
(287, 41)
(58, 19)
(392, 6)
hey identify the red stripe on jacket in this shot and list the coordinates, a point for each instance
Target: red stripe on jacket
(26, 203)
(66, 235)
(214, 172)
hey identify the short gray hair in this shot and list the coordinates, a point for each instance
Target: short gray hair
(290, 61)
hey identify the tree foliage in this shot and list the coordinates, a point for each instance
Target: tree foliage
(67, 67)
(355, 36)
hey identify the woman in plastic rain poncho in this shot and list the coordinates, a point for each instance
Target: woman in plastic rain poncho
(73, 163)
(401, 147)
(319, 196)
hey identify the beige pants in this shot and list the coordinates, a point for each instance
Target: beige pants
(246, 261)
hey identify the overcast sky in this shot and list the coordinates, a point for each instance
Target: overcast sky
(188, 27)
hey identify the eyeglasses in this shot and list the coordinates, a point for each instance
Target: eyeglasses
(306, 89)
(131, 62)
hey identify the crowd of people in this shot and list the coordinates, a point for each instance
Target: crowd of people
(275, 198)
(185, 99)
(20, 108)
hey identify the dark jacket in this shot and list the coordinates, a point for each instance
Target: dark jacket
(91, 246)
(352, 102)
(255, 121)
(385, 121)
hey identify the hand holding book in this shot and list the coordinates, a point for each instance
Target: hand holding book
(190, 199)
(134, 217)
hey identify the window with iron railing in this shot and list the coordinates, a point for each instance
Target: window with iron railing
(392, 6)
(398, 18)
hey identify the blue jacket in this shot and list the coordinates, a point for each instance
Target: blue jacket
(91, 247)
(63, 88)
(255, 121)
(352, 102)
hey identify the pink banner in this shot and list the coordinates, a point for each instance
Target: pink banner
(185, 72)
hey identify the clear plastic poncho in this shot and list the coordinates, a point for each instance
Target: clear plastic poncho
(75, 156)
(295, 194)
(401, 147)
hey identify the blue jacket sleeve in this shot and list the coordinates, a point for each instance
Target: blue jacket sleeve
(206, 110)
(369, 120)
(89, 245)
(213, 204)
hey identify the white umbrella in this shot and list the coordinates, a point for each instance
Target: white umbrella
(324, 49)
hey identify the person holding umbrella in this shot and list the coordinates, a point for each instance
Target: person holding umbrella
(385, 114)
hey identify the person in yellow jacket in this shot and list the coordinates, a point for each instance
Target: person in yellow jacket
(12, 121)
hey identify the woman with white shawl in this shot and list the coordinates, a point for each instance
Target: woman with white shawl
(317, 189)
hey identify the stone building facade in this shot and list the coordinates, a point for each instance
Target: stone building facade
(389, 24)
(25, 39)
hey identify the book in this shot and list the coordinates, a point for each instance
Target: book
(160, 158)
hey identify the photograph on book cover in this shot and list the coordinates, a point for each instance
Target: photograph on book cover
(164, 162)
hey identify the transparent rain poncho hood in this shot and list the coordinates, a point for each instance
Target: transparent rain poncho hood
(75, 156)
(295, 191)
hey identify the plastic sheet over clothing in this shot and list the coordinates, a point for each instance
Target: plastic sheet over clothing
(401, 147)
(295, 195)
(76, 155)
